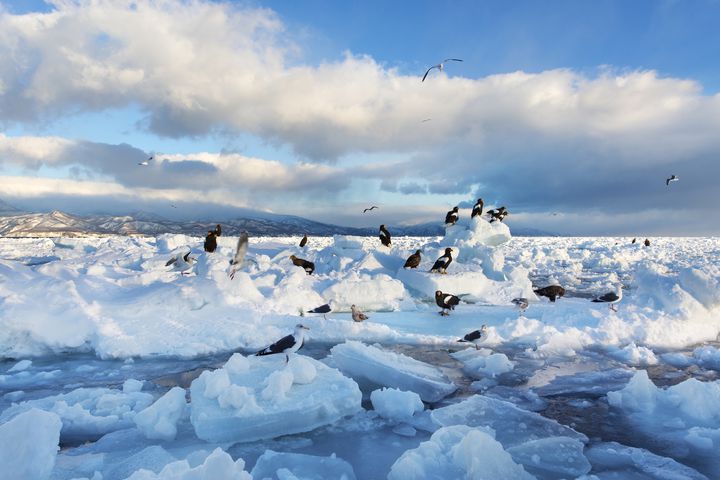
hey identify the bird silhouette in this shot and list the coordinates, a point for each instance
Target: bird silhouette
(371, 208)
(440, 66)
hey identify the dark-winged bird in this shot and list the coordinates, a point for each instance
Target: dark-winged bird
(440, 66)
(442, 263)
(452, 216)
(218, 230)
(303, 242)
(611, 298)
(385, 238)
(371, 208)
(210, 241)
(240, 252)
(633, 240)
(308, 266)
(477, 208)
(476, 337)
(646, 242)
(522, 303)
(288, 344)
(324, 309)
(183, 263)
(357, 314)
(498, 214)
(672, 178)
(446, 301)
(552, 292)
(413, 260)
(145, 163)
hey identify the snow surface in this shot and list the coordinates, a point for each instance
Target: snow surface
(146, 372)
(28, 444)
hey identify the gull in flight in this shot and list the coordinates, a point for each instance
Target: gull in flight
(371, 208)
(440, 66)
(145, 163)
(672, 178)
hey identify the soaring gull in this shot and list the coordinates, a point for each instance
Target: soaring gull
(440, 66)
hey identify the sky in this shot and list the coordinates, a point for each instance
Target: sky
(570, 113)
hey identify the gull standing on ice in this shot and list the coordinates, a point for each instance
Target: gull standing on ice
(672, 178)
(611, 298)
(288, 344)
(240, 252)
(357, 314)
(446, 301)
(440, 66)
(324, 309)
(521, 303)
(476, 337)
(183, 263)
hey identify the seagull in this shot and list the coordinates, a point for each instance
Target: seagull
(371, 208)
(440, 66)
(288, 344)
(183, 263)
(521, 303)
(145, 163)
(301, 262)
(443, 262)
(324, 309)
(303, 242)
(426, 120)
(173, 205)
(413, 260)
(240, 252)
(385, 238)
(357, 315)
(446, 301)
(552, 292)
(611, 298)
(476, 337)
(672, 178)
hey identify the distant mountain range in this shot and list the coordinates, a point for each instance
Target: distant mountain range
(16, 223)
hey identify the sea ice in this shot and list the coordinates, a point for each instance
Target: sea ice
(268, 400)
(29, 444)
(217, 466)
(395, 404)
(481, 364)
(159, 420)
(290, 466)
(373, 366)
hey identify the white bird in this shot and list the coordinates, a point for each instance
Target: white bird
(357, 314)
(182, 263)
(440, 66)
(145, 163)
(521, 303)
(240, 252)
(288, 344)
(476, 337)
(672, 178)
(611, 298)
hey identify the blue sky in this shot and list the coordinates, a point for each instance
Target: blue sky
(571, 113)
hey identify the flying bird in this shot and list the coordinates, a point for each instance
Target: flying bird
(240, 252)
(672, 178)
(413, 260)
(442, 263)
(521, 303)
(303, 242)
(183, 263)
(452, 216)
(476, 337)
(611, 298)
(371, 208)
(308, 266)
(426, 120)
(288, 344)
(324, 309)
(145, 163)
(385, 238)
(552, 292)
(440, 66)
(357, 314)
(446, 301)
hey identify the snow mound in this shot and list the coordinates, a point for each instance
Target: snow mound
(395, 404)
(159, 420)
(88, 413)
(458, 452)
(470, 235)
(370, 292)
(634, 355)
(29, 444)
(290, 466)
(269, 399)
(217, 466)
(373, 366)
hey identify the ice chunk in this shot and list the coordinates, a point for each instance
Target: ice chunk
(131, 385)
(513, 426)
(480, 364)
(159, 420)
(374, 366)
(276, 466)
(303, 370)
(20, 366)
(376, 292)
(218, 466)
(395, 404)
(475, 233)
(623, 461)
(29, 444)
(634, 355)
(253, 407)
(553, 457)
(457, 452)
(708, 357)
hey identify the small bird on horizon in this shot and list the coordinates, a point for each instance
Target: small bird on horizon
(446, 301)
(451, 217)
(646, 242)
(611, 298)
(370, 208)
(145, 163)
(385, 238)
(357, 314)
(440, 66)
(413, 260)
(308, 266)
(442, 263)
(673, 178)
(303, 242)
(476, 337)
(288, 344)
(240, 252)
(551, 291)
